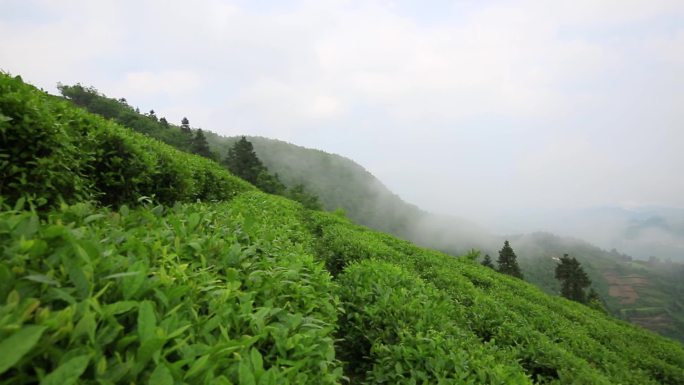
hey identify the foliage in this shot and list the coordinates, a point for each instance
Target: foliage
(119, 111)
(308, 200)
(237, 291)
(338, 182)
(243, 162)
(398, 329)
(487, 261)
(200, 146)
(191, 294)
(53, 152)
(185, 126)
(573, 279)
(507, 261)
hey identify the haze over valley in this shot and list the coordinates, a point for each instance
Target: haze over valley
(341, 192)
(520, 116)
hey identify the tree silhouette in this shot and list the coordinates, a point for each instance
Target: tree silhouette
(185, 126)
(200, 146)
(573, 279)
(507, 261)
(487, 261)
(242, 161)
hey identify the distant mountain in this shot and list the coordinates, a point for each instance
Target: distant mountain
(642, 232)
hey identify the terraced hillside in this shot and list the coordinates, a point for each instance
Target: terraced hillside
(125, 261)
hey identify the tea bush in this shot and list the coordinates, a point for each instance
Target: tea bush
(160, 295)
(249, 288)
(52, 152)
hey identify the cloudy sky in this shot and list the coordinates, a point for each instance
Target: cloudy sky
(463, 107)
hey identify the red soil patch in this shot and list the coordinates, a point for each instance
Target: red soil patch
(623, 287)
(654, 323)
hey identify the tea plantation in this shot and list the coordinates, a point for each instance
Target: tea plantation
(124, 261)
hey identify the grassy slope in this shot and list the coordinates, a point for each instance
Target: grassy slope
(341, 183)
(236, 291)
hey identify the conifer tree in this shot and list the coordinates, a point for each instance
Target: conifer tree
(487, 261)
(595, 301)
(242, 161)
(200, 145)
(185, 126)
(507, 261)
(308, 200)
(573, 279)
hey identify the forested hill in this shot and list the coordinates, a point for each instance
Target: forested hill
(123, 260)
(339, 182)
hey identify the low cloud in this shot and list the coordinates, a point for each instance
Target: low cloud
(484, 105)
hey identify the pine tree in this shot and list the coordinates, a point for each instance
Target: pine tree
(507, 261)
(595, 301)
(573, 279)
(185, 126)
(200, 145)
(487, 261)
(298, 193)
(242, 161)
(164, 123)
(269, 183)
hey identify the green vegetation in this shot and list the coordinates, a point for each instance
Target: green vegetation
(573, 279)
(257, 289)
(507, 262)
(52, 153)
(341, 183)
(624, 286)
(121, 112)
(240, 160)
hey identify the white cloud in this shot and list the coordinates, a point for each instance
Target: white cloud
(175, 83)
(535, 93)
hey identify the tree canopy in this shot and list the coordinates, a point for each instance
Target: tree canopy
(573, 279)
(242, 161)
(507, 261)
(487, 261)
(200, 145)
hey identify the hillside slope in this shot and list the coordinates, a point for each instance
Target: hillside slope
(254, 288)
(342, 183)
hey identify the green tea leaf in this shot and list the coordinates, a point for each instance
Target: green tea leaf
(193, 221)
(121, 275)
(147, 322)
(120, 307)
(40, 278)
(245, 373)
(67, 373)
(198, 366)
(161, 376)
(76, 274)
(257, 361)
(17, 345)
(93, 218)
(86, 325)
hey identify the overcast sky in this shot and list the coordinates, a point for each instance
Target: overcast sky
(462, 107)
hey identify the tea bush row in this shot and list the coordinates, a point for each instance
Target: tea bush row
(182, 295)
(51, 151)
(553, 340)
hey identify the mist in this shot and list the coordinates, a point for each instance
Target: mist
(511, 117)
